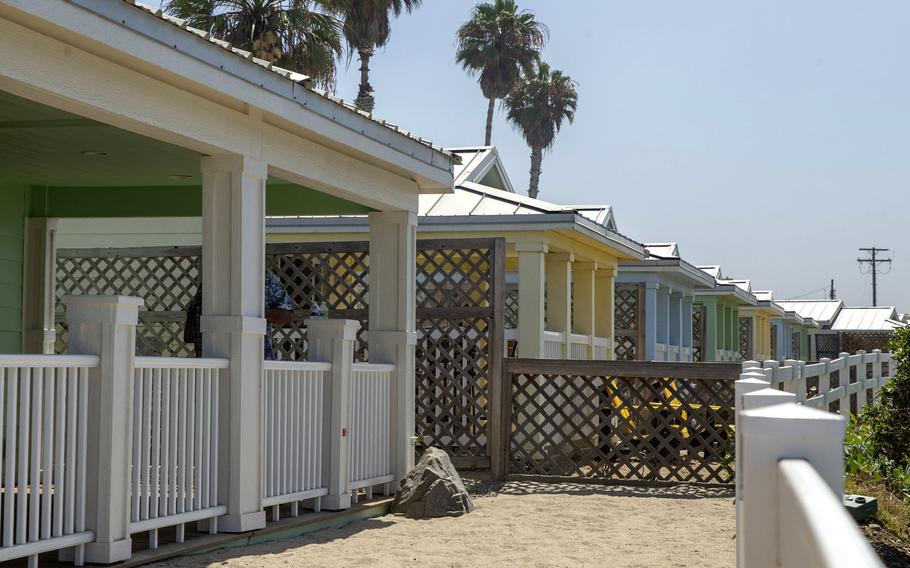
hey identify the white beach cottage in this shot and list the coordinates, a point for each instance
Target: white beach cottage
(112, 109)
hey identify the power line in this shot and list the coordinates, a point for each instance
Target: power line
(873, 262)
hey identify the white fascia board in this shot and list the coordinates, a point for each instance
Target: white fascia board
(738, 293)
(223, 71)
(672, 269)
(464, 223)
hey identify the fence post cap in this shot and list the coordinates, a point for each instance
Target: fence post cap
(780, 417)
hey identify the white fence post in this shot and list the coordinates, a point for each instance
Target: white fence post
(332, 341)
(768, 435)
(106, 326)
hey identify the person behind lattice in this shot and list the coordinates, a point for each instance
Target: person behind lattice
(279, 311)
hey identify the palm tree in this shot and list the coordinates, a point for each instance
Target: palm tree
(301, 35)
(499, 42)
(367, 27)
(537, 108)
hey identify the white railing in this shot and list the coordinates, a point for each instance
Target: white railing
(369, 444)
(174, 473)
(293, 410)
(673, 353)
(789, 463)
(553, 342)
(816, 529)
(43, 427)
(836, 380)
(579, 346)
(685, 354)
(603, 348)
(660, 352)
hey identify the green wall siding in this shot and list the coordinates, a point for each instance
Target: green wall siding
(12, 232)
(175, 201)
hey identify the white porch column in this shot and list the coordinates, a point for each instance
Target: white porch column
(393, 323)
(687, 325)
(559, 306)
(233, 326)
(605, 307)
(106, 326)
(39, 282)
(531, 266)
(332, 341)
(651, 321)
(675, 332)
(663, 320)
(583, 301)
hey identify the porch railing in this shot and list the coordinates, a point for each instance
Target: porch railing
(370, 465)
(43, 463)
(553, 342)
(293, 410)
(174, 473)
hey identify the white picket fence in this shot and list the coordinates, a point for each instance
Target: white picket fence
(43, 462)
(370, 397)
(293, 409)
(174, 473)
(789, 461)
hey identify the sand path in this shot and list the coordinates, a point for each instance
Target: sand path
(524, 524)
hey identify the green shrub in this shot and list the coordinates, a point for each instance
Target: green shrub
(887, 419)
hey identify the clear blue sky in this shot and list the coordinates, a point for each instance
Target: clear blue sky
(770, 137)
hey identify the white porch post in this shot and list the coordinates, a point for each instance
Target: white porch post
(650, 321)
(332, 341)
(531, 266)
(583, 300)
(233, 326)
(663, 320)
(39, 282)
(559, 307)
(686, 323)
(393, 323)
(675, 333)
(106, 326)
(605, 302)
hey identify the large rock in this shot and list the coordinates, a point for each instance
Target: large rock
(432, 489)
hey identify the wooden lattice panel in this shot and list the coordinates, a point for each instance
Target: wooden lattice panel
(745, 339)
(511, 307)
(796, 345)
(164, 277)
(460, 320)
(628, 319)
(698, 332)
(853, 341)
(584, 422)
(336, 274)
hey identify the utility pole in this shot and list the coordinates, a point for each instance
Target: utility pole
(873, 262)
(831, 293)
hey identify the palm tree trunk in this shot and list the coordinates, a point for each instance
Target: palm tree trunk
(364, 100)
(490, 109)
(536, 161)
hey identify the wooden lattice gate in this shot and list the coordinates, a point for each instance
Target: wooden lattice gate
(460, 321)
(629, 320)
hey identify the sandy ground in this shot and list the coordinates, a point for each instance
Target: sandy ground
(524, 524)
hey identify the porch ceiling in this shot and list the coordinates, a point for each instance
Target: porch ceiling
(93, 169)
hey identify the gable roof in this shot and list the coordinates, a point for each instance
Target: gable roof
(867, 318)
(474, 197)
(662, 250)
(822, 311)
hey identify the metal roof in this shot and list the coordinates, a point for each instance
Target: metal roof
(297, 78)
(867, 319)
(473, 196)
(822, 311)
(663, 250)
